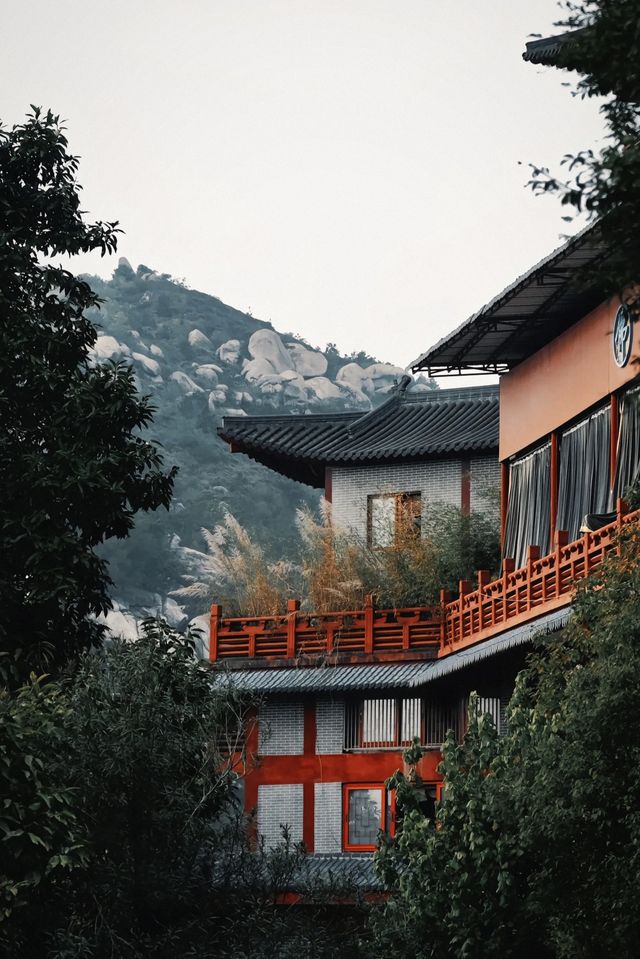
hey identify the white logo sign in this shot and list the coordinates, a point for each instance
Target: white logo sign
(622, 336)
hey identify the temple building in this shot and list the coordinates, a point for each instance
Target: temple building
(342, 693)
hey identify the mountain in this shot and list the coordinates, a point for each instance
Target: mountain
(200, 359)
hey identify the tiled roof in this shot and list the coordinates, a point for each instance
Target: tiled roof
(389, 675)
(408, 426)
(546, 51)
(528, 314)
(339, 874)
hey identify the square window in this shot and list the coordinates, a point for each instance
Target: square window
(365, 814)
(391, 516)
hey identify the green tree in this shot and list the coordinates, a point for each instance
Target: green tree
(535, 848)
(604, 50)
(75, 469)
(40, 836)
(145, 762)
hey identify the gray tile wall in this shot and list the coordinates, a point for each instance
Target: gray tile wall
(281, 728)
(329, 726)
(278, 806)
(328, 817)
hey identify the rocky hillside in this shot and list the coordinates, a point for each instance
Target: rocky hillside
(200, 359)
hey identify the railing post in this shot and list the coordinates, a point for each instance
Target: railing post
(293, 605)
(561, 540)
(508, 566)
(533, 554)
(464, 586)
(445, 597)
(214, 624)
(368, 623)
(484, 577)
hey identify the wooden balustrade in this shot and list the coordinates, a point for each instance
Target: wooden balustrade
(519, 595)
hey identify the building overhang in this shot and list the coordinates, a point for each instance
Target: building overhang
(407, 427)
(528, 314)
(385, 676)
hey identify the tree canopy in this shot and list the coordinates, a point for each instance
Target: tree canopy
(604, 50)
(535, 848)
(75, 469)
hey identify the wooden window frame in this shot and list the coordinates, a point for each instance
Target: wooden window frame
(387, 817)
(399, 706)
(401, 500)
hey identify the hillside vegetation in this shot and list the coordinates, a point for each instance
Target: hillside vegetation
(200, 359)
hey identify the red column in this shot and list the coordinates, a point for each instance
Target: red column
(504, 499)
(554, 485)
(308, 788)
(615, 426)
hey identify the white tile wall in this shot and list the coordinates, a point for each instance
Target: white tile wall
(281, 728)
(279, 806)
(329, 726)
(485, 485)
(328, 817)
(439, 481)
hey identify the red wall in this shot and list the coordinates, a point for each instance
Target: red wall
(562, 380)
(310, 768)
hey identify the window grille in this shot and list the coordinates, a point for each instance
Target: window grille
(394, 722)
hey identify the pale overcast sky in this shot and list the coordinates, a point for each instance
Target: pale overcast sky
(348, 169)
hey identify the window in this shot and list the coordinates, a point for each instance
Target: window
(367, 810)
(389, 515)
(393, 723)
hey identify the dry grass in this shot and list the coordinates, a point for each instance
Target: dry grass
(334, 569)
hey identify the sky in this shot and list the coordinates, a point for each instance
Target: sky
(352, 170)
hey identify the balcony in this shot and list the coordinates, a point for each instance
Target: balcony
(426, 632)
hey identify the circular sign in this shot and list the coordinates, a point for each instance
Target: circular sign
(622, 336)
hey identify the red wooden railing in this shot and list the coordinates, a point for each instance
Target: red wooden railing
(519, 595)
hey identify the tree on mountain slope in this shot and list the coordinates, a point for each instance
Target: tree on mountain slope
(74, 468)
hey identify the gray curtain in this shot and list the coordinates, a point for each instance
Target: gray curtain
(528, 510)
(584, 464)
(628, 459)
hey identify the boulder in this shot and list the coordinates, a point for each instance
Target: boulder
(219, 395)
(149, 365)
(186, 383)
(201, 627)
(377, 371)
(229, 352)
(108, 348)
(240, 396)
(155, 350)
(198, 341)
(120, 623)
(307, 362)
(295, 390)
(267, 345)
(353, 381)
(255, 370)
(174, 614)
(207, 372)
(321, 388)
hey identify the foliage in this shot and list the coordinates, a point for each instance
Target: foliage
(40, 836)
(123, 836)
(534, 852)
(146, 761)
(74, 469)
(334, 569)
(604, 184)
(252, 585)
